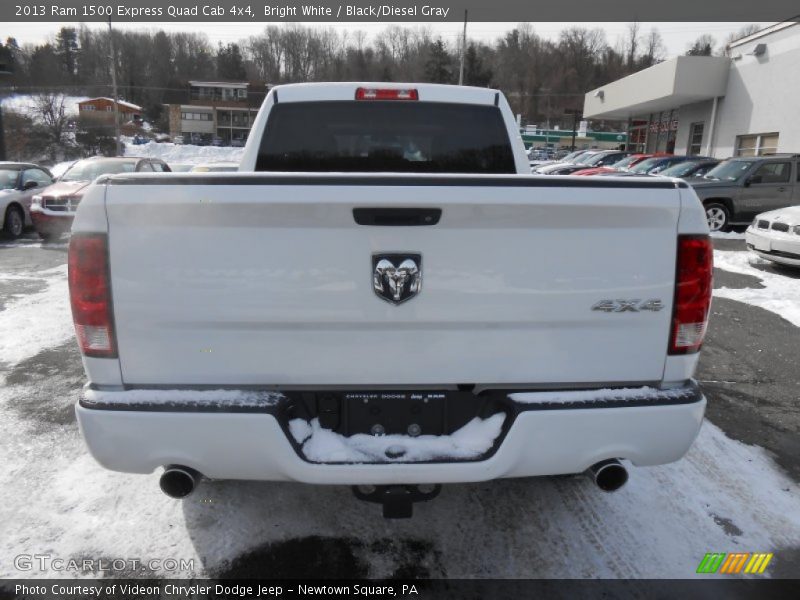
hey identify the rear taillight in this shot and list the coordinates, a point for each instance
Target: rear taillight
(692, 293)
(386, 94)
(90, 294)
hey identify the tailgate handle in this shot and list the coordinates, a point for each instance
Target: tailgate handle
(393, 217)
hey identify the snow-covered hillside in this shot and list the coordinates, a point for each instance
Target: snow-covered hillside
(24, 104)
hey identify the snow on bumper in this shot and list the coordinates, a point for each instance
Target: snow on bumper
(543, 438)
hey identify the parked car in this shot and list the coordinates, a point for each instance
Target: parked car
(595, 171)
(738, 189)
(546, 168)
(605, 158)
(584, 158)
(19, 182)
(655, 164)
(58, 169)
(215, 167)
(558, 169)
(775, 236)
(179, 139)
(374, 318)
(53, 208)
(572, 156)
(615, 173)
(217, 141)
(690, 168)
(632, 160)
(238, 143)
(540, 157)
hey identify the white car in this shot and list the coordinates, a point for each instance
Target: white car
(775, 236)
(18, 183)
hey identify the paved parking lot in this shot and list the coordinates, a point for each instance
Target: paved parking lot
(737, 490)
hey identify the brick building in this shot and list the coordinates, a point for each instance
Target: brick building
(103, 108)
(209, 109)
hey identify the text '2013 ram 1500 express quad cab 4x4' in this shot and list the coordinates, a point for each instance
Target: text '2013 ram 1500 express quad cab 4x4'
(384, 297)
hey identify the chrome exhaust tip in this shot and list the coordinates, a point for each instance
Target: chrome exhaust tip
(609, 475)
(178, 482)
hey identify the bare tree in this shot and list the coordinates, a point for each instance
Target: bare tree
(702, 46)
(50, 108)
(654, 49)
(737, 35)
(631, 44)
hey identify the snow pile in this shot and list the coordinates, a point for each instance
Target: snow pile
(33, 322)
(589, 396)
(193, 398)
(727, 235)
(326, 446)
(25, 104)
(184, 153)
(780, 294)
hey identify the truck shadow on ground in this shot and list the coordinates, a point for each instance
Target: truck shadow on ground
(303, 531)
(505, 528)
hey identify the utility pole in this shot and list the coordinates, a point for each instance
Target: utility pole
(114, 85)
(4, 72)
(547, 125)
(575, 112)
(463, 51)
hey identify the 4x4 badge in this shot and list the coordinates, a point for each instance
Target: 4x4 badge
(635, 305)
(396, 277)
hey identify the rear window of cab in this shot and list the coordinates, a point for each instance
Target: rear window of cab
(385, 136)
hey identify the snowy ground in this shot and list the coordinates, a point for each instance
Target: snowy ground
(724, 496)
(781, 285)
(184, 154)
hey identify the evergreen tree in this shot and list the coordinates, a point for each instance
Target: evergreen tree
(67, 51)
(230, 64)
(438, 67)
(475, 72)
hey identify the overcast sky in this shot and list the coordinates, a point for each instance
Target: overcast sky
(677, 36)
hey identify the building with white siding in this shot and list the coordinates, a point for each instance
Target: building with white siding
(744, 104)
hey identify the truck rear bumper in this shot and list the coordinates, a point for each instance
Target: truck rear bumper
(540, 440)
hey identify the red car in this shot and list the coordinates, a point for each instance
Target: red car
(53, 210)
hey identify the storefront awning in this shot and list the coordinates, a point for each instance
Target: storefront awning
(667, 85)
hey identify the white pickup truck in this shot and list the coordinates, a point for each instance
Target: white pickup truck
(385, 297)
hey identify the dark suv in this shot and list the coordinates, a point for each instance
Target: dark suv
(738, 189)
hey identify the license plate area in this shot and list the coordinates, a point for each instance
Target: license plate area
(762, 244)
(418, 412)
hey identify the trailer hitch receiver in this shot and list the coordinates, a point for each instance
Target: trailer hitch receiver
(397, 500)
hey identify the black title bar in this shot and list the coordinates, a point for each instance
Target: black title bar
(277, 11)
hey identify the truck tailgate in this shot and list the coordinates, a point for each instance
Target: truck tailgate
(268, 279)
